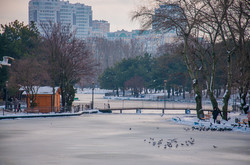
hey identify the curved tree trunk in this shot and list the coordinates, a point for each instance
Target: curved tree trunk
(198, 99)
(227, 93)
(243, 104)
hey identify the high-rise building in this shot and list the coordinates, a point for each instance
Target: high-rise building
(77, 16)
(150, 39)
(100, 28)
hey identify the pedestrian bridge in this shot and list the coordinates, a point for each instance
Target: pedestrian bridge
(138, 109)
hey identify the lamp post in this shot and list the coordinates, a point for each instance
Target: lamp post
(165, 84)
(6, 96)
(93, 88)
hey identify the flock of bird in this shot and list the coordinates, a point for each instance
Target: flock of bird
(174, 143)
(169, 143)
(203, 128)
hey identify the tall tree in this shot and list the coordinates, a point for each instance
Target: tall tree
(16, 40)
(237, 32)
(68, 57)
(182, 17)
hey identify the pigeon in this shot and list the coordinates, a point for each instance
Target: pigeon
(186, 129)
(173, 140)
(169, 144)
(159, 142)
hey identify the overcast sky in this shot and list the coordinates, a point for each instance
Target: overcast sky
(116, 12)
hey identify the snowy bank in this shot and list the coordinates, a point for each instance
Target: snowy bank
(233, 124)
(52, 114)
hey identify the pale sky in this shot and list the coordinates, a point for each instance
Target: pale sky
(116, 12)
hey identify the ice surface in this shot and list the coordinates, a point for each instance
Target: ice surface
(120, 138)
(116, 139)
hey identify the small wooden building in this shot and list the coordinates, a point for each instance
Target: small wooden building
(44, 100)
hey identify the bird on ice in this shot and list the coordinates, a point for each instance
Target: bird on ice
(5, 61)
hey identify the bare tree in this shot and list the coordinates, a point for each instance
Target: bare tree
(208, 30)
(29, 74)
(107, 53)
(202, 25)
(231, 19)
(237, 31)
(181, 16)
(69, 59)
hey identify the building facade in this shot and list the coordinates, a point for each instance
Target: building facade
(77, 16)
(44, 99)
(100, 28)
(150, 39)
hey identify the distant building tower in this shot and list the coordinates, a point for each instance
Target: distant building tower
(100, 28)
(77, 16)
(161, 13)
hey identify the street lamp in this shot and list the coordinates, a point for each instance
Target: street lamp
(6, 96)
(93, 88)
(165, 84)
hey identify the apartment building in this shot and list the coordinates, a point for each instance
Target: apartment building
(78, 16)
(100, 28)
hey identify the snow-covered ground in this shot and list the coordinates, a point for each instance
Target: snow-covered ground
(209, 125)
(89, 91)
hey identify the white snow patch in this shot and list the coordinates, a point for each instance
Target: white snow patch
(193, 121)
(194, 81)
(225, 93)
(241, 101)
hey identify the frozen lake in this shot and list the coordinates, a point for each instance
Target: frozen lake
(115, 139)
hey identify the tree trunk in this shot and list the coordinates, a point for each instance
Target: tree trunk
(184, 95)
(243, 105)
(217, 93)
(212, 99)
(123, 92)
(198, 99)
(63, 96)
(194, 77)
(226, 98)
(117, 92)
(227, 93)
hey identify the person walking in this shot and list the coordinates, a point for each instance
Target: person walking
(215, 113)
(19, 107)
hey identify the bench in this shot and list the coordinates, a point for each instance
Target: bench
(207, 116)
(31, 110)
(244, 121)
